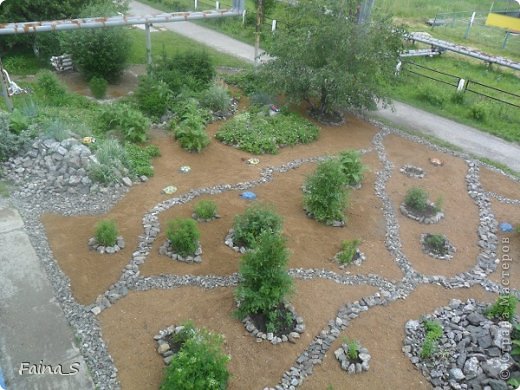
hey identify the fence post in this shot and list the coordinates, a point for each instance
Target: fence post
(461, 87)
(505, 39)
(435, 20)
(5, 88)
(466, 34)
(273, 25)
(148, 45)
(217, 5)
(243, 17)
(196, 4)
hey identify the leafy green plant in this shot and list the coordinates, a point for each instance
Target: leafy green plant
(190, 130)
(199, 364)
(216, 98)
(503, 309)
(129, 123)
(18, 122)
(184, 236)
(514, 382)
(264, 281)
(140, 159)
(479, 112)
(98, 87)
(348, 251)
(153, 96)
(56, 128)
(458, 98)
(278, 320)
(429, 96)
(188, 331)
(255, 220)
(433, 332)
(325, 195)
(436, 243)
(352, 166)
(11, 143)
(205, 209)
(515, 340)
(256, 132)
(106, 233)
(416, 199)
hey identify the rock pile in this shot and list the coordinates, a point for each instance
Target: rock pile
(448, 249)
(196, 218)
(473, 352)
(60, 165)
(435, 218)
(228, 240)
(353, 366)
(272, 338)
(94, 245)
(412, 171)
(358, 258)
(163, 344)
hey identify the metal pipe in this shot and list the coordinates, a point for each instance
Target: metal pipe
(112, 21)
(148, 45)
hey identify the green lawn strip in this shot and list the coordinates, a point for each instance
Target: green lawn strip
(170, 43)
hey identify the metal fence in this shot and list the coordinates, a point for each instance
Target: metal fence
(462, 85)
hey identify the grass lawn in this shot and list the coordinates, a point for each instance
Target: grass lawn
(170, 43)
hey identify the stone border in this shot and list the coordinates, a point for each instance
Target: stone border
(450, 249)
(291, 337)
(412, 171)
(360, 258)
(422, 219)
(163, 347)
(228, 241)
(165, 249)
(119, 245)
(328, 223)
(351, 367)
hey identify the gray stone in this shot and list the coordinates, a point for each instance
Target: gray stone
(126, 181)
(472, 368)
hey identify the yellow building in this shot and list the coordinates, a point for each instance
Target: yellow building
(505, 14)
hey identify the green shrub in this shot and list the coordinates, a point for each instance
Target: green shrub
(255, 220)
(503, 309)
(129, 123)
(433, 333)
(436, 243)
(188, 331)
(101, 52)
(416, 199)
(348, 251)
(278, 320)
(216, 98)
(264, 281)
(258, 133)
(106, 233)
(325, 196)
(49, 89)
(192, 70)
(153, 96)
(515, 340)
(98, 87)
(184, 236)
(140, 159)
(205, 209)
(352, 166)
(199, 364)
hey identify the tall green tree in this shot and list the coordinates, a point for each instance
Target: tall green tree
(324, 57)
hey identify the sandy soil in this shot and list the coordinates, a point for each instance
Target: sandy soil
(129, 325)
(461, 213)
(499, 184)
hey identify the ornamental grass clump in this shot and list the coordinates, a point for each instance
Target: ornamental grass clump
(106, 233)
(205, 209)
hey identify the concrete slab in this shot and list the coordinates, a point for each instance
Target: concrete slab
(33, 328)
